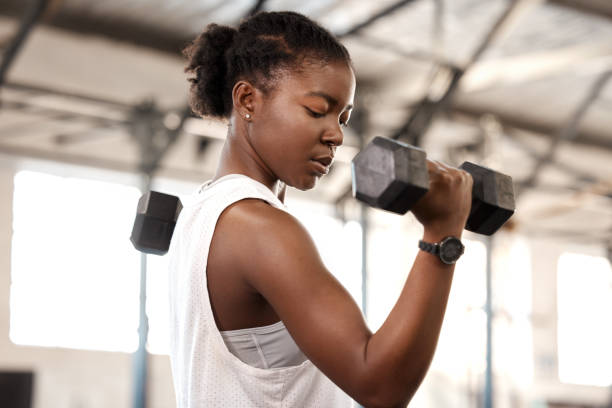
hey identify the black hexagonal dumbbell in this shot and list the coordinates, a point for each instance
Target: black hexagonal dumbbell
(492, 199)
(393, 176)
(156, 217)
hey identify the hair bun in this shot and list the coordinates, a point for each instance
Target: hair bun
(206, 58)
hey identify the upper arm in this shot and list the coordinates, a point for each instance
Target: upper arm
(277, 257)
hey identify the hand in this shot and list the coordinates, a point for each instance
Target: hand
(446, 206)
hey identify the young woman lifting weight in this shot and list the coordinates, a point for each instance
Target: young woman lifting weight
(256, 318)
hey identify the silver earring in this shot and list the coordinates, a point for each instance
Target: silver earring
(247, 116)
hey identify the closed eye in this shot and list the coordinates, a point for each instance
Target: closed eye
(314, 114)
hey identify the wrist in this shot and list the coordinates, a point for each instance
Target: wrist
(436, 234)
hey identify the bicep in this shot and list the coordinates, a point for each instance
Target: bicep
(283, 265)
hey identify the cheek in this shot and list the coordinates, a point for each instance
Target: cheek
(271, 137)
(290, 133)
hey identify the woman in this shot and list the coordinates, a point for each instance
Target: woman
(256, 318)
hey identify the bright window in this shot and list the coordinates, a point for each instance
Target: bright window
(75, 274)
(584, 307)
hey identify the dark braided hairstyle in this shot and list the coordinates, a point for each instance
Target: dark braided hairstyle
(257, 51)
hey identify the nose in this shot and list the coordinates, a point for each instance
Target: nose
(333, 137)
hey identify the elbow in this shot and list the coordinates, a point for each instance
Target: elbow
(384, 402)
(387, 400)
(389, 382)
(388, 393)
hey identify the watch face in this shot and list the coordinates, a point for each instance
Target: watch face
(450, 250)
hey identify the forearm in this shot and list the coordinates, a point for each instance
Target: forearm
(400, 352)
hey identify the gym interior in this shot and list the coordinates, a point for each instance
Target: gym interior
(93, 112)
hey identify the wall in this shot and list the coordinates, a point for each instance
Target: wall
(63, 377)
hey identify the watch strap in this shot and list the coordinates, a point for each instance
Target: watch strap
(429, 247)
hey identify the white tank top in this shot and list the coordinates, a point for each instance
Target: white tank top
(205, 372)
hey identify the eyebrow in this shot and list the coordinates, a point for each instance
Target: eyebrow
(330, 99)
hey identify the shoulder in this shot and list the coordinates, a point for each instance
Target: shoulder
(258, 217)
(259, 238)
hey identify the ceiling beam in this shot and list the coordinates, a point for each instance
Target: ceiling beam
(585, 237)
(35, 9)
(497, 73)
(601, 8)
(115, 28)
(257, 7)
(569, 131)
(195, 175)
(32, 89)
(578, 175)
(520, 122)
(424, 112)
(371, 20)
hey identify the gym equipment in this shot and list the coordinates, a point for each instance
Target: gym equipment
(156, 217)
(393, 176)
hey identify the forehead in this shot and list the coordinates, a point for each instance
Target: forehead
(335, 78)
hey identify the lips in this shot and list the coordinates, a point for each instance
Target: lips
(324, 160)
(322, 164)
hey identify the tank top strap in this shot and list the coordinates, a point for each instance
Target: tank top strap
(228, 188)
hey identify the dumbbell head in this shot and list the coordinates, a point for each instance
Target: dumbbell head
(390, 175)
(492, 199)
(156, 217)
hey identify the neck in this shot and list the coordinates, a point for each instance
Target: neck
(239, 157)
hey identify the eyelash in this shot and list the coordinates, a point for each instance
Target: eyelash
(315, 114)
(320, 115)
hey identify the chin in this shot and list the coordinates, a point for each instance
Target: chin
(305, 184)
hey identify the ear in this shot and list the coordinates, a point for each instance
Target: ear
(244, 98)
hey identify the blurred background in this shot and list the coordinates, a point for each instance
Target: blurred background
(93, 110)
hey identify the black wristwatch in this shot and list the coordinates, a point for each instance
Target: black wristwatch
(448, 250)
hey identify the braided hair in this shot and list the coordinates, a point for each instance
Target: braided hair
(257, 51)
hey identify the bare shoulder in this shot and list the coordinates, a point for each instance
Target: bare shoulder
(262, 224)
(256, 212)
(259, 240)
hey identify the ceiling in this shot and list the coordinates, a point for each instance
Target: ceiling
(522, 86)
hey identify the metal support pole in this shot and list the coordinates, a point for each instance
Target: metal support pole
(140, 359)
(488, 391)
(609, 256)
(363, 220)
(364, 259)
(154, 139)
(383, 13)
